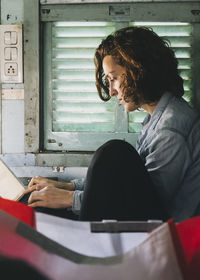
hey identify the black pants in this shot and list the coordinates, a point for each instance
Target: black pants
(119, 187)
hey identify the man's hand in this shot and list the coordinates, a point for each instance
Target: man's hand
(39, 182)
(51, 197)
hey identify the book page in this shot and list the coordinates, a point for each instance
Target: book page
(10, 187)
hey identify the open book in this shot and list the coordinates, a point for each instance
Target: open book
(10, 186)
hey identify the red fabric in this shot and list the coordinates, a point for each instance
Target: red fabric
(180, 254)
(189, 235)
(146, 261)
(17, 247)
(21, 211)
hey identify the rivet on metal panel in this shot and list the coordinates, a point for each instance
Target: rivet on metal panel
(61, 169)
(55, 169)
(51, 141)
(195, 12)
(58, 168)
(119, 11)
(46, 11)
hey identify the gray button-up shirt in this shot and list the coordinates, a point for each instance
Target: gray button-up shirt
(169, 146)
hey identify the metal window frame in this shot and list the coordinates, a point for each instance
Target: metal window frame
(149, 11)
(105, 1)
(31, 77)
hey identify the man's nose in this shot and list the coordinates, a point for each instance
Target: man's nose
(113, 91)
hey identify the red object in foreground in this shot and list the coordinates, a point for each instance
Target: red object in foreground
(189, 235)
(171, 252)
(19, 210)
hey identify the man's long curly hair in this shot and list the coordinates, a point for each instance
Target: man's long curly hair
(151, 66)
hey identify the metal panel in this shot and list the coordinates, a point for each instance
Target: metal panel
(105, 1)
(144, 11)
(12, 126)
(12, 11)
(67, 175)
(63, 159)
(84, 141)
(18, 160)
(12, 93)
(31, 75)
(57, 161)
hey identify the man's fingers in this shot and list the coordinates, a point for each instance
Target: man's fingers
(35, 180)
(32, 182)
(38, 203)
(36, 187)
(37, 195)
(29, 189)
(39, 187)
(34, 197)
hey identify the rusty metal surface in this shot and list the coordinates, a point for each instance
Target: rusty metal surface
(31, 75)
(12, 94)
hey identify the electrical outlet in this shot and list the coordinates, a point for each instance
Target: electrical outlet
(11, 69)
(11, 53)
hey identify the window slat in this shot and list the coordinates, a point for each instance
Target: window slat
(85, 107)
(74, 75)
(75, 96)
(75, 64)
(82, 31)
(84, 127)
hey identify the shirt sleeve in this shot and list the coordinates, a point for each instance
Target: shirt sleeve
(78, 195)
(167, 160)
(77, 199)
(78, 184)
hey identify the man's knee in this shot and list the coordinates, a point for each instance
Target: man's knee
(116, 144)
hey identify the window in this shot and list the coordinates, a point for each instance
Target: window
(75, 119)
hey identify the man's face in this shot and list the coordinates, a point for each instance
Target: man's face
(114, 74)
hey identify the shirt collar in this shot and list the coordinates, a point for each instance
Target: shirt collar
(162, 104)
(151, 121)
